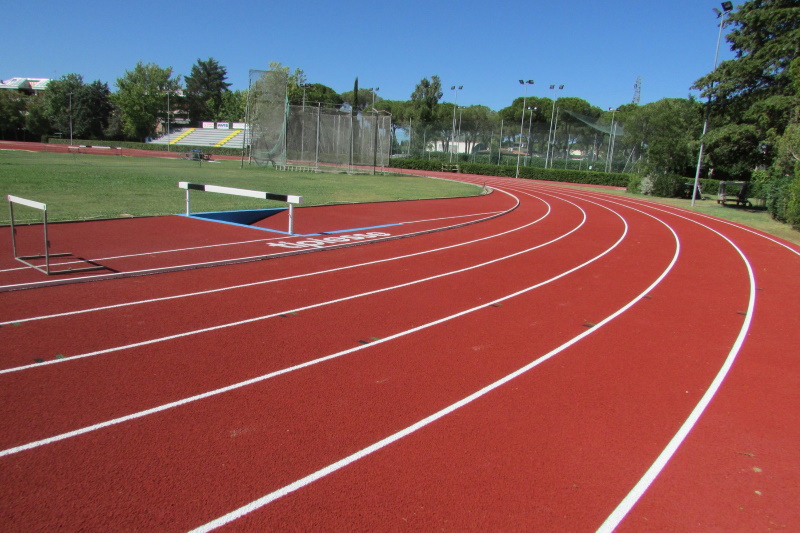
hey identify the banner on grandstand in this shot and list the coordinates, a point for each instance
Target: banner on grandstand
(208, 125)
(223, 125)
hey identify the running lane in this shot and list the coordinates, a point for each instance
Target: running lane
(524, 381)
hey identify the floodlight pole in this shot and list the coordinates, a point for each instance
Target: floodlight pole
(455, 106)
(530, 126)
(552, 115)
(303, 124)
(460, 110)
(500, 145)
(610, 158)
(168, 123)
(70, 117)
(522, 122)
(726, 7)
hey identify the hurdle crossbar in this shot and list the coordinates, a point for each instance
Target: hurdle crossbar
(290, 199)
(46, 255)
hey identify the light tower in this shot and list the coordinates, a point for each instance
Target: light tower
(525, 83)
(637, 90)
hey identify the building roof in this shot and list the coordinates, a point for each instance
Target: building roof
(25, 84)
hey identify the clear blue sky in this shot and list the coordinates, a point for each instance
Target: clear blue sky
(595, 48)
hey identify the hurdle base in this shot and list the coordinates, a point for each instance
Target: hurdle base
(49, 271)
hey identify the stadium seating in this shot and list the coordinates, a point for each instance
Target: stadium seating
(203, 137)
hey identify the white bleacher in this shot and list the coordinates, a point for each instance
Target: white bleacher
(202, 137)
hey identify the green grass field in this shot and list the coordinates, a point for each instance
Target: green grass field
(85, 187)
(756, 217)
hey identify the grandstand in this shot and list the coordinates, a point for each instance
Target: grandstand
(227, 138)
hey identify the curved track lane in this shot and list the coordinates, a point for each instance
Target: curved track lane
(527, 372)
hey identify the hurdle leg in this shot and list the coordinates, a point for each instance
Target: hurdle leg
(46, 246)
(13, 229)
(291, 219)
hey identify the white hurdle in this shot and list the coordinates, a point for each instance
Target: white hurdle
(288, 198)
(46, 255)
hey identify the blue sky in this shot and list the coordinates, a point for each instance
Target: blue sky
(596, 49)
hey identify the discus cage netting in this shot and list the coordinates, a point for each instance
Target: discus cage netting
(311, 136)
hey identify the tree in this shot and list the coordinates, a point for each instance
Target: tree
(294, 81)
(426, 95)
(12, 114)
(76, 108)
(233, 107)
(205, 90)
(364, 99)
(37, 122)
(317, 93)
(749, 93)
(142, 98)
(666, 133)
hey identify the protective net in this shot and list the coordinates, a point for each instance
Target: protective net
(321, 137)
(268, 111)
(596, 124)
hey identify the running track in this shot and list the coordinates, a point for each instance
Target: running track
(566, 360)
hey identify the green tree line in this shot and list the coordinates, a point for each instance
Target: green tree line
(751, 102)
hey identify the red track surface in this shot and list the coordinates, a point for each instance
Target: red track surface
(581, 362)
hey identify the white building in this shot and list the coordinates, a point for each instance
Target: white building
(25, 85)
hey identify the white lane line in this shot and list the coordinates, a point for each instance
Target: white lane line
(173, 268)
(283, 312)
(133, 416)
(636, 493)
(275, 280)
(338, 465)
(721, 221)
(192, 248)
(661, 461)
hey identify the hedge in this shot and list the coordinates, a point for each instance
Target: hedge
(670, 185)
(531, 173)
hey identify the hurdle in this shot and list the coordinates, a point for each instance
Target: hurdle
(288, 198)
(46, 255)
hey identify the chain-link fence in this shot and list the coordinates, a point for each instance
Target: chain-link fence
(329, 138)
(570, 142)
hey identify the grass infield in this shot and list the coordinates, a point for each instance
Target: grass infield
(86, 187)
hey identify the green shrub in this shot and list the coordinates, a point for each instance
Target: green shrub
(669, 185)
(793, 203)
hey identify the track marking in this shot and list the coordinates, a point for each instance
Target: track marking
(333, 467)
(222, 262)
(164, 407)
(295, 310)
(655, 469)
(633, 497)
(17, 321)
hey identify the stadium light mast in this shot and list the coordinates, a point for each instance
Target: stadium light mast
(70, 117)
(530, 126)
(455, 89)
(611, 139)
(726, 7)
(550, 131)
(303, 86)
(522, 122)
(373, 91)
(460, 110)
